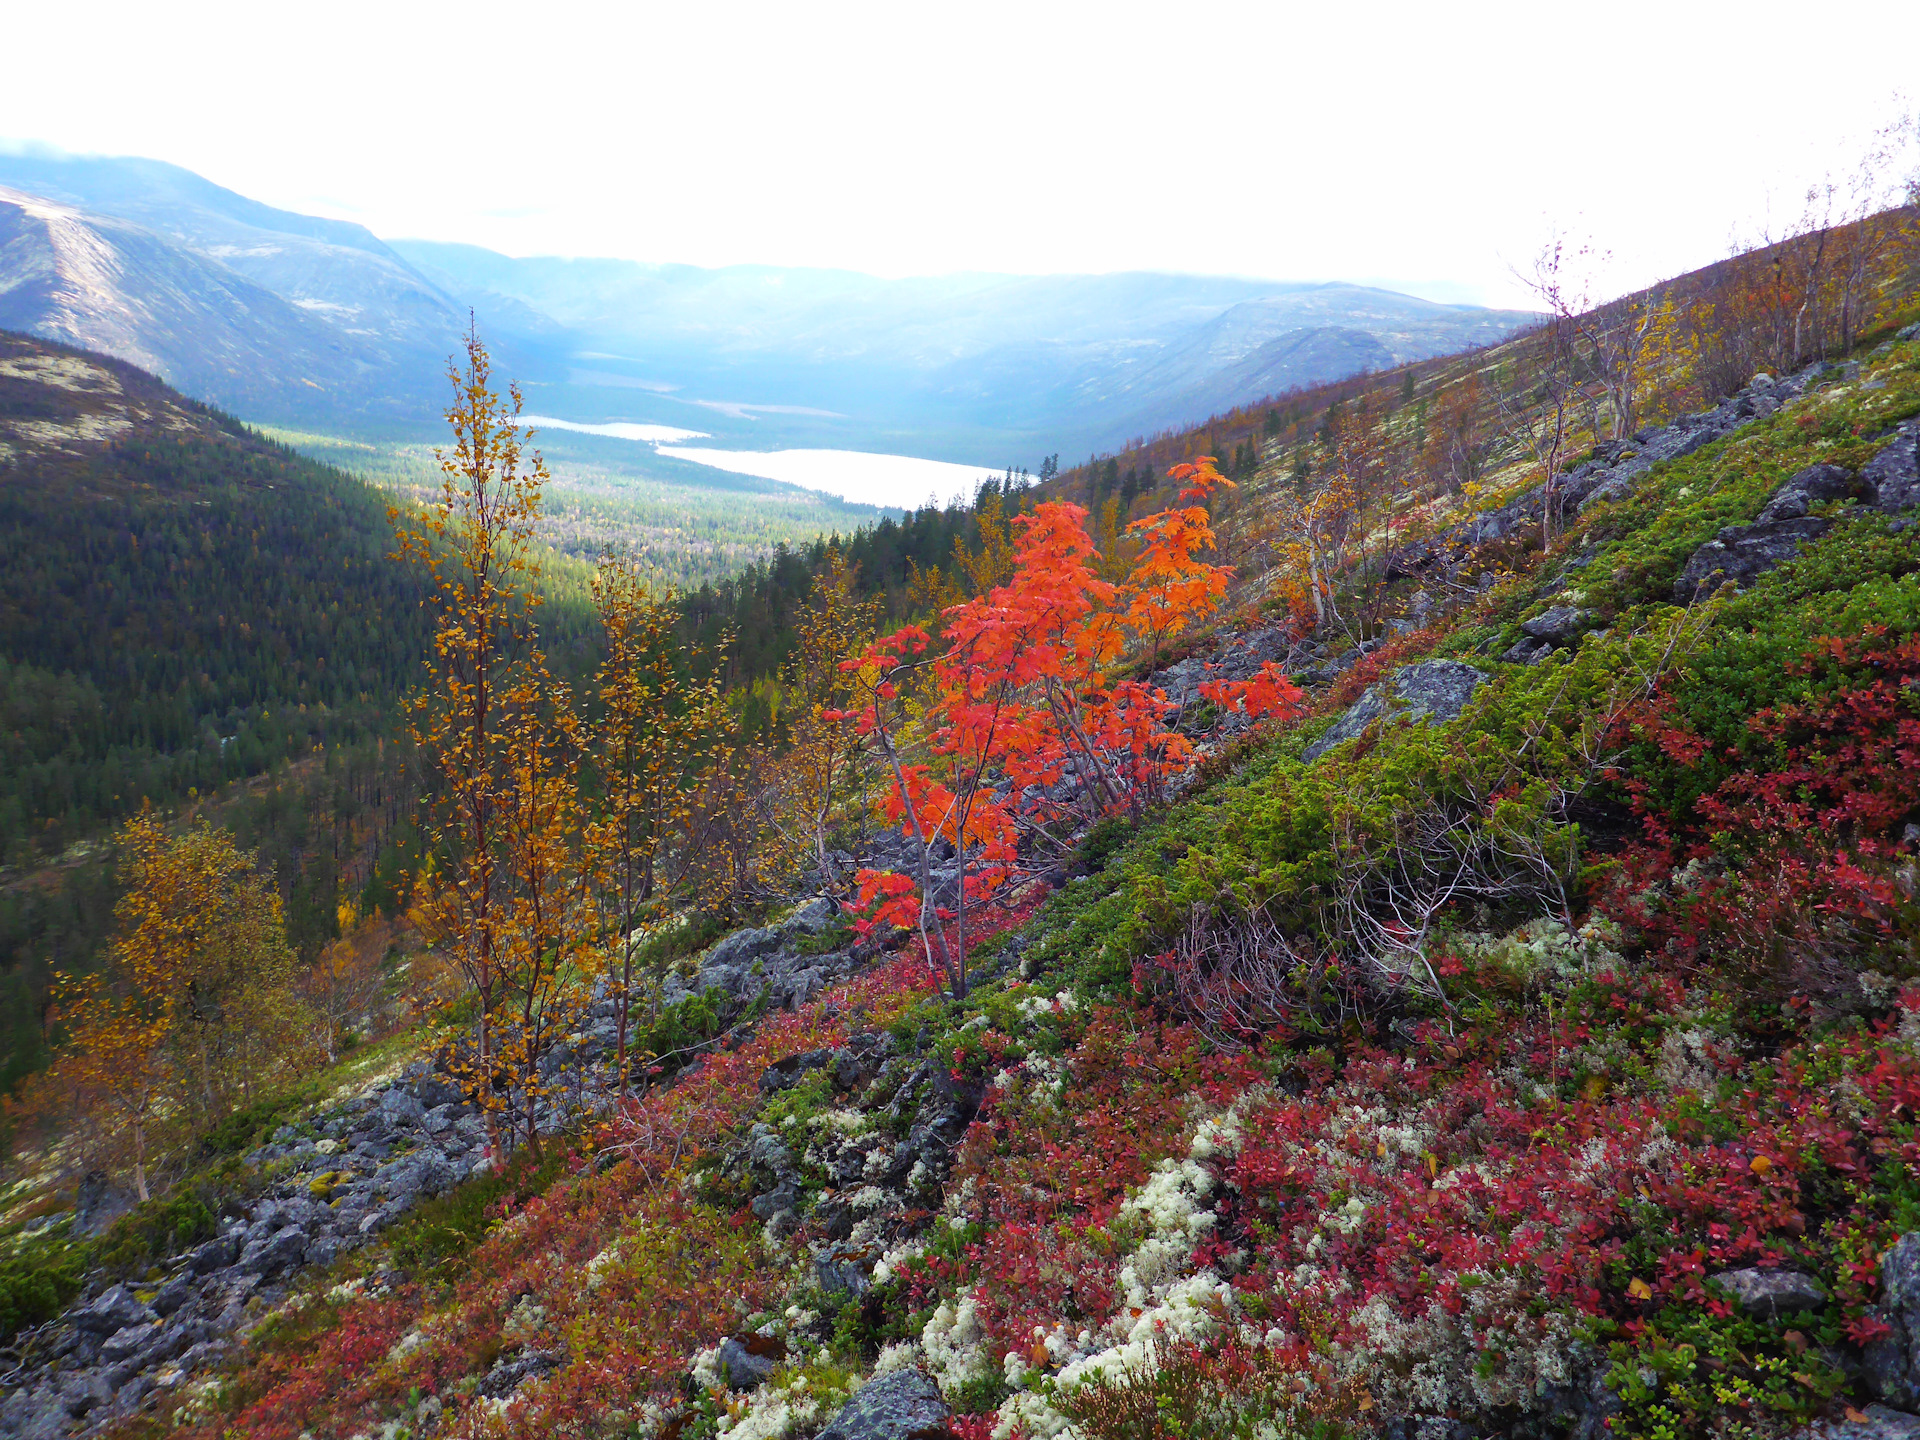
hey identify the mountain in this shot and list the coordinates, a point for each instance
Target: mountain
(277, 315)
(110, 285)
(264, 311)
(1082, 359)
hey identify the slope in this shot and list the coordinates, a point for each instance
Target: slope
(182, 604)
(110, 285)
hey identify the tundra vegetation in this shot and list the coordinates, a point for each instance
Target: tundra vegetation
(1399, 920)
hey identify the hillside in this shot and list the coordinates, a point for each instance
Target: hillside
(184, 607)
(1509, 1025)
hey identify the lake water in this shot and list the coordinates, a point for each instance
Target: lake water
(620, 430)
(901, 482)
(904, 482)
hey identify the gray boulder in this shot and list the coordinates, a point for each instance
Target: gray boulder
(786, 1073)
(1556, 626)
(1888, 1363)
(742, 1369)
(1431, 690)
(743, 947)
(1894, 473)
(116, 1309)
(42, 1413)
(123, 1345)
(275, 1253)
(813, 917)
(1878, 1423)
(397, 1107)
(1743, 553)
(905, 1405)
(1769, 1293)
(217, 1254)
(1812, 486)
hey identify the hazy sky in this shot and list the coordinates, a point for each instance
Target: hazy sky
(1433, 143)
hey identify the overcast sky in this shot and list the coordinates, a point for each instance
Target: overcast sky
(1430, 145)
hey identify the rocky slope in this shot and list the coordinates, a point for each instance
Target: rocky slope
(1523, 1041)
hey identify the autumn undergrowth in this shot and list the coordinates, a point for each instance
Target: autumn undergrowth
(1523, 1084)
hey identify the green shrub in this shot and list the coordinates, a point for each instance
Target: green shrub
(439, 1235)
(40, 1278)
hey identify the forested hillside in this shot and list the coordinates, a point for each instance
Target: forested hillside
(184, 606)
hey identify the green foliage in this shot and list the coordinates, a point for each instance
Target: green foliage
(242, 1130)
(1690, 1372)
(44, 1272)
(1681, 505)
(187, 611)
(152, 1230)
(439, 1235)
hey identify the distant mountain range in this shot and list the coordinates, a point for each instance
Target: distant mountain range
(289, 317)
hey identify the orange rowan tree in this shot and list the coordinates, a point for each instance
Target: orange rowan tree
(1020, 699)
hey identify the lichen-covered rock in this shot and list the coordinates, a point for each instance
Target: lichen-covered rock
(905, 1405)
(740, 1367)
(1894, 473)
(1431, 690)
(1743, 553)
(1556, 626)
(1812, 486)
(1877, 1422)
(1768, 1293)
(273, 1254)
(115, 1310)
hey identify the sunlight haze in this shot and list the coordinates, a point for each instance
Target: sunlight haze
(1428, 147)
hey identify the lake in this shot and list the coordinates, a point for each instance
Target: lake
(901, 482)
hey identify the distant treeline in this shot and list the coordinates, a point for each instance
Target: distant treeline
(889, 558)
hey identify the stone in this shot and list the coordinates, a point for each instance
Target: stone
(1770, 1293)
(126, 1343)
(1877, 1422)
(400, 1108)
(39, 1414)
(1743, 553)
(1527, 651)
(433, 1091)
(1884, 1366)
(741, 1368)
(116, 1309)
(84, 1392)
(905, 1405)
(1900, 1279)
(275, 1253)
(742, 947)
(1812, 486)
(175, 1293)
(1431, 690)
(843, 1270)
(813, 917)
(1556, 626)
(98, 1203)
(507, 1375)
(786, 1073)
(1894, 473)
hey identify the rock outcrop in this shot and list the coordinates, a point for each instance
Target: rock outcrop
(905, 1405)
(1431, 690)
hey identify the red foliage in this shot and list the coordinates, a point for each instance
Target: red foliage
(1789, 859)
